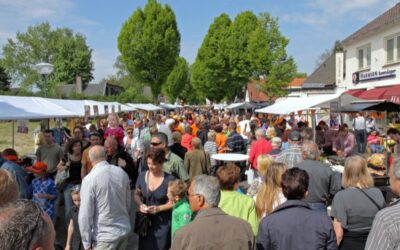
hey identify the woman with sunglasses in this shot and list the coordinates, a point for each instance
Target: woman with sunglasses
(152, 200)
(131, 144)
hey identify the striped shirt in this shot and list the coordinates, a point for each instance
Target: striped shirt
(211, 148)
(385, 232)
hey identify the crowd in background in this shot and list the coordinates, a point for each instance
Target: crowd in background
(153, 182)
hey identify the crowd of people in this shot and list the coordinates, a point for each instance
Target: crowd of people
(155, 183)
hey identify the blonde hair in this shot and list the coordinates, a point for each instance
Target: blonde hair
(9, 190)
(269, 191)
(263, 162)
(177, 188)
(356, 173)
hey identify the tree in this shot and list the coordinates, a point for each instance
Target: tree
(4, 80)
(267, 54)
(177, 79)
(63, 48)
(211, 72)
(241, 29)
(149, 42)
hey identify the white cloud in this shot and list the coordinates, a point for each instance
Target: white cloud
(340, 7)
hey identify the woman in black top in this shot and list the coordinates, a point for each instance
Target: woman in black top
(72, 163)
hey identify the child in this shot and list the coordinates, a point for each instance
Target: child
(181, 213)
(114, 129)
(374, 142)
(74, 240)
(42, 189)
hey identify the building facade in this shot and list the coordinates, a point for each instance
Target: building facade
(371, 55)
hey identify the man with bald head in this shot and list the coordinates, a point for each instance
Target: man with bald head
(323, 184)
(104, 220)
(118, 157)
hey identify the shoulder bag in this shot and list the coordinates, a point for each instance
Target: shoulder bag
(143, 221)
(369, 197)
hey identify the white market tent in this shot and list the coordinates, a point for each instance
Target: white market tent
(240, 105)
(145, 107)
(295, 104)
(25, 108)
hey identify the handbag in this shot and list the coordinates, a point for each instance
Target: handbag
(143, 221)
(61, 177)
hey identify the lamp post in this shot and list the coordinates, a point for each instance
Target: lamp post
(44, 69)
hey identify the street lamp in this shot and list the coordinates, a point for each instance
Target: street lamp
(44, 69)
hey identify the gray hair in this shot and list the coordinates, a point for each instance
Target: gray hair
(208, 186)
(310, 150)
(22, 226)
(162, 137)
(260, 132)
(97, 154)
(396, 168)
(276, 141)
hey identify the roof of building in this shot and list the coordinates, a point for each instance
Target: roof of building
(388, 19)
(296, 82)
(324, 74)
(255, 95)
(94, 89)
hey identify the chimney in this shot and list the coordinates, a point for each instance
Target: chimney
(78, 84)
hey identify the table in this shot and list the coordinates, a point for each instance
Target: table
(230, 157)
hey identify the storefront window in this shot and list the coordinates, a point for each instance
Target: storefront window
(390, 50)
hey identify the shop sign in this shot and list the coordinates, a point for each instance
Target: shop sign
(374, 75)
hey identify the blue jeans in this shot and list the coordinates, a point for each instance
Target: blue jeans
(361, 140)
(68, 201)
(321, 207)
(376, 148)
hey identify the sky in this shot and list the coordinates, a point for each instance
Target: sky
(312, 26)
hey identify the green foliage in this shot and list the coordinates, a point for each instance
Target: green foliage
(233, 53)
(149, 42)
(4, 80)
(267, 54)
(211, 69)
(63, 48)
(177, 80)
(241, 29)
(300, 75)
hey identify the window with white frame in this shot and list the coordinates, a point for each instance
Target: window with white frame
(364, 57)
(393, 49)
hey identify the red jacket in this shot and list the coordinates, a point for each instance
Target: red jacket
(260, 147)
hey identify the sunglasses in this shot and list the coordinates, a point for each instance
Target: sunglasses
(155, 143)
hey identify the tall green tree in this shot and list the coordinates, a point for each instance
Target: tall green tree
(242, 27)
(177, 80)
(62, 47)
(149, 42)
(211, 71)
(268, 57)
(4, 80)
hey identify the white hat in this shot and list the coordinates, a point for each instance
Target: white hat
(169, 122)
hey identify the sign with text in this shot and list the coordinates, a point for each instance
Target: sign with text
(374, 75)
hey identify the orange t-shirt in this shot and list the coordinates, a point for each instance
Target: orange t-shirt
(195, 128)
(220, 140)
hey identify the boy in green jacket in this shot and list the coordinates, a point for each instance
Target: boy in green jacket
(181, 213)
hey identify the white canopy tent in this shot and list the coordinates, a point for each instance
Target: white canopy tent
(295, 104)
(25, 108)
(145, 107)
(240, 105)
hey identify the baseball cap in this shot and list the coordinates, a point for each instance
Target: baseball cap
(37, 167)
(169, 122)
(294, 135)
